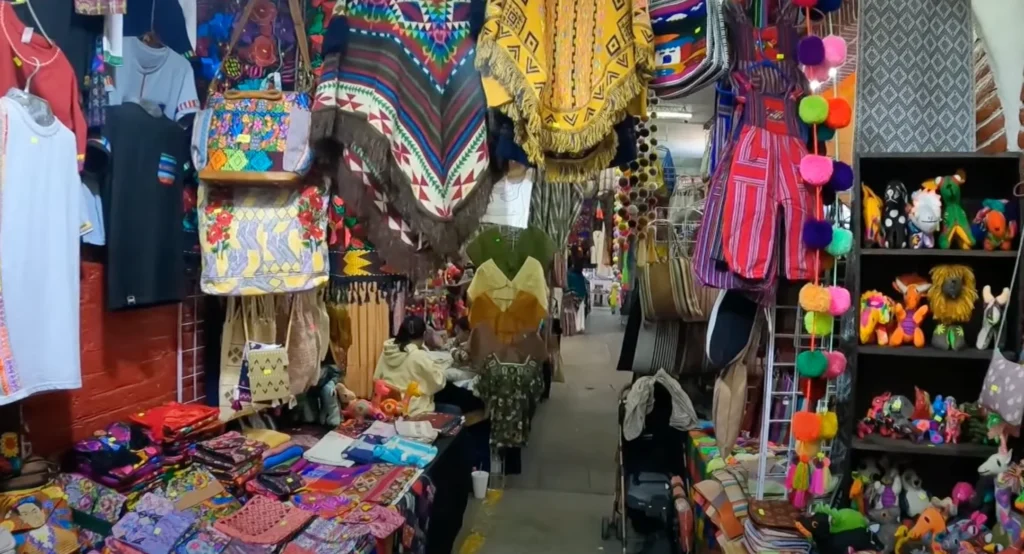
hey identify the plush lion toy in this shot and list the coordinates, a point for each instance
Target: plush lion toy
(952, 297)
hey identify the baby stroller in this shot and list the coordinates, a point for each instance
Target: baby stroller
(643, 516)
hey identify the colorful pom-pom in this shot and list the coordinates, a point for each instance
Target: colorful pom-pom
(818, 324)
(833, 50)
(813, 109)
(842, 242)
(810, 50)
(805, 3)
(826, 133)
(839, 113)
(815, 170)
(842, 177)
(811, 364)
(829, 6)
(839, 301)
(817, 234)
(836, 364)
(814, 298)
(806, 426)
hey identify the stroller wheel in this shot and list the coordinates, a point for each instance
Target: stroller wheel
(607, 526)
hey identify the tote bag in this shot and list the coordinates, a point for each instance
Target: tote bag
(267, 365)
(1001, 392)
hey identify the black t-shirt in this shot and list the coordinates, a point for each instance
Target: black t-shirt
(74, 34)
(142, 204)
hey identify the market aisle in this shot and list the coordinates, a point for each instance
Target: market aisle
(568, 476)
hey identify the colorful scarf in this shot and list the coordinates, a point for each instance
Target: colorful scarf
(406, 100)
(565, 72)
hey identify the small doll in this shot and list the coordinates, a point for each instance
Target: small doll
(924, 218)
(894, 217)
(872, 207)
(995, 307)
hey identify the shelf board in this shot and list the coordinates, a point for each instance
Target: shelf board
(968, 353)
(876, 443)
(937, 253)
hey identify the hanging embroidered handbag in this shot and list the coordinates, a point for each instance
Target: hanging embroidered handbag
(1004, 381)
(262, 240)
(268, 366)
(256, 137)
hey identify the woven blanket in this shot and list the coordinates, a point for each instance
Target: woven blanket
(680, 39)
(565, 72)
(406, 96)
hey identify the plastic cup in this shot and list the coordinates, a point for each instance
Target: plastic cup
(480, 484)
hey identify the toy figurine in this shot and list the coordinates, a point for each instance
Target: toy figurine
(992, 227)
(911, 313)
(818, 528)
(894, 220)
(939, 408)
(922, 404)
(875, 317)
(914, 498)
(929, 525)
(956, 228)
(872, 217)
(888, 522)
(995, 306)
(924, 218)
(362, 409)
(962, 531)
(888, 488)
(955, 417)
(952, 297)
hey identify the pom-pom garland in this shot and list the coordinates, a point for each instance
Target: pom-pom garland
(818, 324)
(825, 134)
(815, 298)
(836, 364)
(815, 170)
(817, 234)
(833, 50)
(810, 51)
(816, 73)
(829, 426)
(842, 242)
(805, 3)
(839, 113)
(842, 177)
(813, 109)
(811, 364)
(839, 301)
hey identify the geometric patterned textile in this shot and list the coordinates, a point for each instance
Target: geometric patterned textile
(915, 79)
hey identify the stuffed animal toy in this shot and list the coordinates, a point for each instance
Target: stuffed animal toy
(911, 313)
(818, 528)
(952, 297)
(894, 222)
(992, 226)
(888, 490)
(887, 522)
(961, 531)
(924, 218)
(875, 317)
(955, 417)
(873, 235)
(929, 524)
(962, 493)
(995, 307)
(956, 228)
(914, 498)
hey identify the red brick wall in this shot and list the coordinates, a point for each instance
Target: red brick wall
(129, 363)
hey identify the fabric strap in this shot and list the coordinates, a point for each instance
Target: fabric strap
(288, 333)
(236, 34)
(1013, 282)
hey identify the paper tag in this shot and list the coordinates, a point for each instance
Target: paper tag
(244, 139)
(26, 35)
(897, 404)
(922, 496)
(760, 511)
(995, 388)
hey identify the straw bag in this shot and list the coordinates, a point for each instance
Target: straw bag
(1004, 381)
(268, 365)
(256, 137)
(304, 341)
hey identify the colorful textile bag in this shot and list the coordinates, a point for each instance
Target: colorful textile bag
(1004, 381)
(256, 137)
(268, 366)
(259, 240)
(264, 521)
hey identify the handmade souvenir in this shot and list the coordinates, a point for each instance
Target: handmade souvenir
(952, 298)
(875, 317)
(955, 417)
(992, 227)
(873, 234)
(888, 489)
(924, 218)
(962, 531)
(912, 312)
(914, 498)
(995, 307)
(264, 521)
(894, 220)
(818, 528)
(956, 228)
(888, 522)
(41, 522)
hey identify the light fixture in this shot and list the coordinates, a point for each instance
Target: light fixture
(675, 115)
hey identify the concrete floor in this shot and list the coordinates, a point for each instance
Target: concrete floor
(568, 478)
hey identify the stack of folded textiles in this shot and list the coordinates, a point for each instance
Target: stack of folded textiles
(178, 427)
(122, 457)
(771, 528)
(232, 459)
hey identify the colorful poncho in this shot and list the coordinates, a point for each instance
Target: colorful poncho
(565, 72)
(406, 104)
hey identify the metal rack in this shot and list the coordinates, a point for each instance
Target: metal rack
(191, 348)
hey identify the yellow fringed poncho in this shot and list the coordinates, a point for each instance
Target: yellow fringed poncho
(565, 72)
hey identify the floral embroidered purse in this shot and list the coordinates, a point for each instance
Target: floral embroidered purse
(255, 137)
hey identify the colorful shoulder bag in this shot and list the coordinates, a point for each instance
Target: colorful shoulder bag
(256, 137)
(1004, 381)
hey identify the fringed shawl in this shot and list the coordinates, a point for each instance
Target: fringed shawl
(565, 72)
(407, 106)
